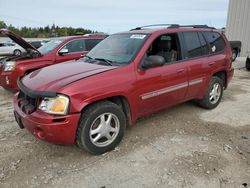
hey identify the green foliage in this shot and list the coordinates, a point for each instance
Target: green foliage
(45, 32)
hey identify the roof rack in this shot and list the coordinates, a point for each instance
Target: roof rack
(191, 26)
(173, 26)
(94, 34)
(154, 25)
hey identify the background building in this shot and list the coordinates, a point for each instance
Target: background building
(238, 23)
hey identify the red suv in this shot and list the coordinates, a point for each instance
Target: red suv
(126, 76)
(57, 50)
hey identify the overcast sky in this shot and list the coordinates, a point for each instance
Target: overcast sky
(112, 15)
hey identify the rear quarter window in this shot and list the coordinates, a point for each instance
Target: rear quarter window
(215, 40)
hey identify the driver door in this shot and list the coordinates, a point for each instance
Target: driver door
(75, 49)
(163, 86)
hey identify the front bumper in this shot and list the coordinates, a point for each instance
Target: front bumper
(51, 128)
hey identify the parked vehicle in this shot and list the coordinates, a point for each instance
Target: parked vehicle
(37, 44)
(10, 48)
(56, 51)
(248, 62)
(236, 48)
(126, 76)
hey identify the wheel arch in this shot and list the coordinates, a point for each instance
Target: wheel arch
(119, 100)
(223, 76)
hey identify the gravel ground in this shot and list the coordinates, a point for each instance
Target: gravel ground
(184, 146)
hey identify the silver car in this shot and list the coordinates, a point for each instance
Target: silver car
(10, 48)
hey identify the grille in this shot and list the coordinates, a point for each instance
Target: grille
(26, 103)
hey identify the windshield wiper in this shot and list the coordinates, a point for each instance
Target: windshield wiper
(83, 56)
(109, 62)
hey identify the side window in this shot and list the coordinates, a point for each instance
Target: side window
(1, 44)
(75, 46)
(193, 45)
(91, 43)
(204, 46)
(166, 46)
(215, 41)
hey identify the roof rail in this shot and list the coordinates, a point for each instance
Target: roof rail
(192, 26)
(173, 26)
(94, 34)
(154, 25)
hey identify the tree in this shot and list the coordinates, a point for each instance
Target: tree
(45, 32)
(2, 24)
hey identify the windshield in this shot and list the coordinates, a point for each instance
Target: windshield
(49, 46)
(119, 48)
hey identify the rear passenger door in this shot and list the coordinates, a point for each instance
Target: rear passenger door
(196, 56)
(217, 59)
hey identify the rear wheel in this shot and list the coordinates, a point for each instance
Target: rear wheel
(101, 127)
(213, 94)
(17, 52)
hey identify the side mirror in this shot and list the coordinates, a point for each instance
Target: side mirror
(153, 61)
(63, 51)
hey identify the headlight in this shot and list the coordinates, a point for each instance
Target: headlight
(57, 105)
(9, 65)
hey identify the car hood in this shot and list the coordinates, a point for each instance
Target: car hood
(54, 77)
(17, 39)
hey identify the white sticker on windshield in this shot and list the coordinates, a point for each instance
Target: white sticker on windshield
(137, 36)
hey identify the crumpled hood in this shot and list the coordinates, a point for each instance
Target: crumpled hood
(55, 77)
(17, 39)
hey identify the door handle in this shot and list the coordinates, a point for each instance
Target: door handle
(210, 63)
(180, 70)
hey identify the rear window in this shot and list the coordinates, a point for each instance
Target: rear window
(193, 45)
(215, 41)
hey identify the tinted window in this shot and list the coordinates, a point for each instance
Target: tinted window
(194, 48)
(91, 43)
(75, 46)
(1, 44)
(205, 49)
(215, 40)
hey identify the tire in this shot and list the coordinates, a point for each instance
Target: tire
(210, 102)
(17, 52)
(248, 64)
(235, 53)
(94, 128)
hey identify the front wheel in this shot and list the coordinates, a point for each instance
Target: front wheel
(101, 127)
(213, 94)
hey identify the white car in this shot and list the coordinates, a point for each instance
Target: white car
(9, 48)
